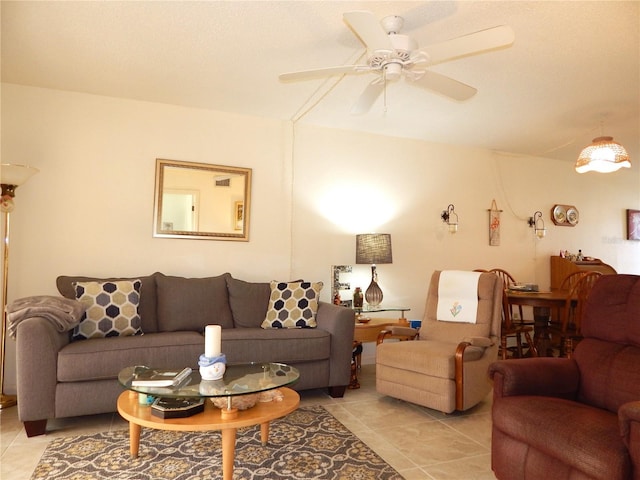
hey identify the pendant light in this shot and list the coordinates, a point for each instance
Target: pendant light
(602, 155)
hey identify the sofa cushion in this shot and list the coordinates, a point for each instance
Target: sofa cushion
(292, 305)
(609, 374)
(284, 345)
(192, 303)
(585, 438)
(111, 309)
(101, 359)
(611, 311)
(248, 302)
(146, 308)
(412, 356)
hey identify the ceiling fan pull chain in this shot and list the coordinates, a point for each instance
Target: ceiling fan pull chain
(384, 92)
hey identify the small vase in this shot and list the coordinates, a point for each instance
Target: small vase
(357, 298)
(373, 295)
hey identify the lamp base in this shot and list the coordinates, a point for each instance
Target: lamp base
(373, 295)
(7, 401)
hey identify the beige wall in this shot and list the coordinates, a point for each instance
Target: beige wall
(89, 210)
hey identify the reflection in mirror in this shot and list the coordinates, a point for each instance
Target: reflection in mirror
(199, 200)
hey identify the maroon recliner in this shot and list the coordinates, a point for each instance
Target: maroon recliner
(575, 418)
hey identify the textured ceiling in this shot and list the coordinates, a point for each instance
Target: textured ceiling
(573, 70)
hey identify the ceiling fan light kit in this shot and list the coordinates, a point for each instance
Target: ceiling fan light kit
(391, 56)
(602, 155)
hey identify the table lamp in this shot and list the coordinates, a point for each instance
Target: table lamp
(372, 249)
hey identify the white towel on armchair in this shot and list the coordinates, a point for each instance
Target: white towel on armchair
(458, 296)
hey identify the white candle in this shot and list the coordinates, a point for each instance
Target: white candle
(212, 340)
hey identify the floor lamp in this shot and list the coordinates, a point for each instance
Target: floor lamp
(11, 176)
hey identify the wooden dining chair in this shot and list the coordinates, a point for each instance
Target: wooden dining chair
(509, 328)
(568, 332)
(509, 280)
(570, 280)
(568, 283)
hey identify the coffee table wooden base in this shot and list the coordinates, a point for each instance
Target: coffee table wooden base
(212, 418)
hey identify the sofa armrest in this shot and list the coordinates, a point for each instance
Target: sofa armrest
(550, 377)
(37, 345)
(339, 322)
(629, 420)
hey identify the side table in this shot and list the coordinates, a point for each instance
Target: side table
(380, 308)
(368, 332)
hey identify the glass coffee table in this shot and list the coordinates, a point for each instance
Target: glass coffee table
(242, 385)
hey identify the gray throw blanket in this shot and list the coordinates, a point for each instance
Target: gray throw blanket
(64, 313)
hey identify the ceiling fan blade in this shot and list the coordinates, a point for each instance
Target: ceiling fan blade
(445, 85)
(322, 72)
(368, 28)
(470, 44)
(368, 97)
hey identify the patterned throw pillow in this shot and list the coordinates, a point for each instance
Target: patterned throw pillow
(292, 305)
(112, 309)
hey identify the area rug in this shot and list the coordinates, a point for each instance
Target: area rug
(307, 444)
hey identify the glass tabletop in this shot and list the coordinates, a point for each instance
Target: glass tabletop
(380, 308)
(238, 379)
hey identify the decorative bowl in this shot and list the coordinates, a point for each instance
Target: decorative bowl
(241, 402)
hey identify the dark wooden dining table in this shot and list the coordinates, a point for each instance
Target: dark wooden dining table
(543, 304)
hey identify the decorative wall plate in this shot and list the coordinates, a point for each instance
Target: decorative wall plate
(565, 215)
(559, 214)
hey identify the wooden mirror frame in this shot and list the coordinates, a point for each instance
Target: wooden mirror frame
(227, 220)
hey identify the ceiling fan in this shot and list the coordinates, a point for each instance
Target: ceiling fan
(391, 56)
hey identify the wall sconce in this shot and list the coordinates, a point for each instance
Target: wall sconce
(450, 217)
(538, 224)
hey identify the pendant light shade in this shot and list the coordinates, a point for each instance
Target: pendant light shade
(602, 155)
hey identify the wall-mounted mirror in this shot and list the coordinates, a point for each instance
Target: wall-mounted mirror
(200, 200)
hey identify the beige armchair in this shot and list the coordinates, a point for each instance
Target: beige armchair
(445, 368)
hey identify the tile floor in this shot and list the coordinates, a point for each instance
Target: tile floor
(418, 442)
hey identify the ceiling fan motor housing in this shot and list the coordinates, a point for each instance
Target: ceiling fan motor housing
(392, 70)
(392, 61)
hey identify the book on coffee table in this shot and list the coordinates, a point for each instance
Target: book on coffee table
(150, 377)
(181, 407)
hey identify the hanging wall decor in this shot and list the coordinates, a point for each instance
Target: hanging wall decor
(633, 224)
(565, 215)
(494, 224)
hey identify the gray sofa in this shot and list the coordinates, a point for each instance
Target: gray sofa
(57, 377)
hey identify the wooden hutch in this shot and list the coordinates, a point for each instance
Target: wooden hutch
(561, 267)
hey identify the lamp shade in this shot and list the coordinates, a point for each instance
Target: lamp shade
(373, 248)
(15, 174)
(602, 155)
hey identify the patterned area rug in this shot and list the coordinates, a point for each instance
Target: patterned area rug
(307, 444)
